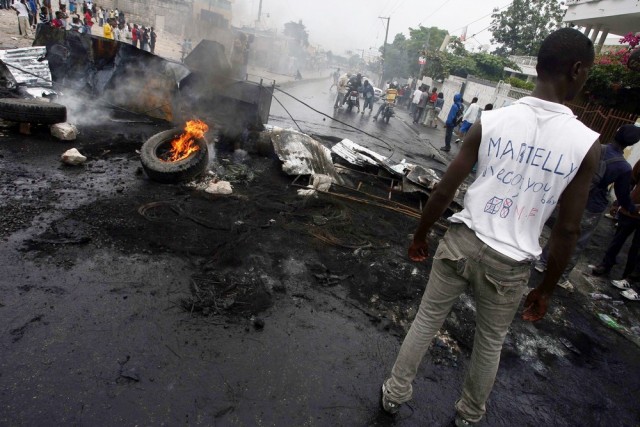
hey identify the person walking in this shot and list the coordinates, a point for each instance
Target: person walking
(23, 17)
(452, 121)
(415, 98)
(422, 103)
(367, 95)
(342, 89)
(469, 118)
(437, 107)
(613, 169)
(491, 243)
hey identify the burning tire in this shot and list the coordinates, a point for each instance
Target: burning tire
(32, 111)
(154, 152)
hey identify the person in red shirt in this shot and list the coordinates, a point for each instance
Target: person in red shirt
(57, 21)
(134, 35)
(88, 21)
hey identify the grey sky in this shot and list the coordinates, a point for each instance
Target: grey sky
(340, 25)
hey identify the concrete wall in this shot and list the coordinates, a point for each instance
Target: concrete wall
(449, 87)
(165, 15)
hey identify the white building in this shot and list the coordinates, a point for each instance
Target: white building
(599, 18)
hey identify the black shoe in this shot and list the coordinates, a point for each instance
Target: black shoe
(600, 270)
(445, 148)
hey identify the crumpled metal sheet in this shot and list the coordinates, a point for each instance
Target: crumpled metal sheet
(356, 154)
(302, 155)
(25, 68)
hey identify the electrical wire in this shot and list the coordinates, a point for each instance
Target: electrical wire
(389, 146)
(434, 12)
(287, 111)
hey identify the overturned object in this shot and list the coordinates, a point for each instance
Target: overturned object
(64, 131)
(73, 157)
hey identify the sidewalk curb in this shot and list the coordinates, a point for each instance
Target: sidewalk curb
(295, 82)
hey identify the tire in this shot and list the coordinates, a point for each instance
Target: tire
(32, 111)
(350, 107)
(172, 172)
(386, 119)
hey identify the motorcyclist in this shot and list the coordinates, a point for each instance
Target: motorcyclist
(342, 89)
(355, 83)
(389, 97)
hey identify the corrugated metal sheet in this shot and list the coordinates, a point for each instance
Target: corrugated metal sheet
(26, 69)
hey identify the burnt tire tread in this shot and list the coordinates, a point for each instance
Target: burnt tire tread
(171, 173)
(32, 111)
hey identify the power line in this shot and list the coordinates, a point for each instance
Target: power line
(434, 12)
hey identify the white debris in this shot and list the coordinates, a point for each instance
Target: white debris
(319, 182)
(219, 187)
(64, 131)
(73, 157)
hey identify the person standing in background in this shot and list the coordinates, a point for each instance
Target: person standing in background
(23, 17)
(152, 40)
(134, 35)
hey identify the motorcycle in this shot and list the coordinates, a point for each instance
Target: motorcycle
(388, 112)
(352, 100)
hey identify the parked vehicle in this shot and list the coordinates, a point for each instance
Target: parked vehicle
(377, 94)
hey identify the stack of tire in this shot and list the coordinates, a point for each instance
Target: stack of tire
(34, 111)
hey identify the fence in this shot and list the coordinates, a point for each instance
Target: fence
(603, 120)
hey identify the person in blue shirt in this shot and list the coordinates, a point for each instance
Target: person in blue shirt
(450, 123)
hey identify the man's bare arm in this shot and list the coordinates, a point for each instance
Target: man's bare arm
(564, 235)
(457, 171)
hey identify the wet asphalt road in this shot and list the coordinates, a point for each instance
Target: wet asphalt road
(400, 139)
(93, 334)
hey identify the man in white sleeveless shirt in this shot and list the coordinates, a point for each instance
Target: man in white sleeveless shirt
(531, 155)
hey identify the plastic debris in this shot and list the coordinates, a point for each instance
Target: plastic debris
(73, 157)
(599, 296)
(609, 321)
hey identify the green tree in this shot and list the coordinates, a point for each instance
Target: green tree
(298, 32)
(521, 27)
(402, 55)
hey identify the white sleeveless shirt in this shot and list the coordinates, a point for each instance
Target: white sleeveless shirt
(530, 151)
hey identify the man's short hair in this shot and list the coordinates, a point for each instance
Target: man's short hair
(561, 49)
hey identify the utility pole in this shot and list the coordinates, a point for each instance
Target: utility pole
(384, 48)
(259, 10)
(425, 47)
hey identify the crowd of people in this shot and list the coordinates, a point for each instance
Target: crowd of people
(81, 18)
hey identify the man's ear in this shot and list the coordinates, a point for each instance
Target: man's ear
(575, 70)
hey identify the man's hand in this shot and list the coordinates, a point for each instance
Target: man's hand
(419, 250)
(535, 306)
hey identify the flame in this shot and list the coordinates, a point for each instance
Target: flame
(184, 145)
